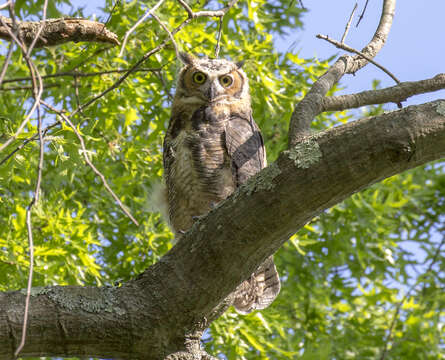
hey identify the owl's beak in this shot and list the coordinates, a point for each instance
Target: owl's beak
(212, 92)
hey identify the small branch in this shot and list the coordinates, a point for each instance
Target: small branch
(5, 5)
(75, 74)
(59, 31)
(348, 25)
(37, 93)
(218, 40)
(28, 140)
(206, 13)
(6, 63)
(18, 88)
(89, 163)
(395, 94)
(362, 14)
(170, 35)
(128, 33)
(39, 31)
(352, 50)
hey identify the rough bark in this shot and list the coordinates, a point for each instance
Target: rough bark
(165, 309)
(59, 31)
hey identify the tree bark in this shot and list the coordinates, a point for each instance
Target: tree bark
(59, 31)
(165, 309)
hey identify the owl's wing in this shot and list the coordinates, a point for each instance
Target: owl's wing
(245, 147)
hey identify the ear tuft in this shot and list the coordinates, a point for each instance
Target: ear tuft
(239, 64)
(186, 58)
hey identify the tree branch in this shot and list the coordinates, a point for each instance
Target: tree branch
(165, 309)
(395, 94)
(310, 106)
(59, 31)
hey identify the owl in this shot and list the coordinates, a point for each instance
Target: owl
(212, 146)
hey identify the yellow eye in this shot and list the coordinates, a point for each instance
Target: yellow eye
(226, 80)
(199, 77)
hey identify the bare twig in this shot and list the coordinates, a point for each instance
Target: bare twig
(88, 161)
(352, 50)
(39, 31)
(170, 35)
(128, 33)
(28, 140)
(34, 201)
(362, 14)
(164, 84)
(19, 88)
(207, 13)
(311, 105)
(5, 5)
(348, 25)
(395, 94)
(218, 39)
(37, 94)
(6, 63)
(75, 74)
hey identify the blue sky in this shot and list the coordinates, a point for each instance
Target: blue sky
(415, 49)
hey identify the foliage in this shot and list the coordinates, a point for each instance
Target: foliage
(345, 275)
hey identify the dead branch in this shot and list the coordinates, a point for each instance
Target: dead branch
(395, 94)
(59, 31)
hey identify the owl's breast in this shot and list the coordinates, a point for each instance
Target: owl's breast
(200, 172)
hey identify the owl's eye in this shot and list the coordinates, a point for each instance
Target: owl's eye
(199, 77)
(226, 80)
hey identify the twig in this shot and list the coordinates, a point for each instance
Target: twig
(88, 161)
(39, 31)
(128, 33)
(218, 40)
(170, 35)
(408, 293)
(29, 285)
(164, 84)
(75, 74)
(348, 25)
(395, 94)
(5, 5)
(17, 88)
(355, 51)
(28, 140)
(6, 63)
(38, 93)
(362, 14)
(207, 13)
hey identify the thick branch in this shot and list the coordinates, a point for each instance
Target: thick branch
(165, 308)
(394, 94)
(59, 31)
(310, 106)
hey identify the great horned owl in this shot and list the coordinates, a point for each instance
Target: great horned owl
(212, 145)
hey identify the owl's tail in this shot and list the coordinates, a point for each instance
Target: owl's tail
(259, 290)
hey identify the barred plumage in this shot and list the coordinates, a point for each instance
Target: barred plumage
(213, 145)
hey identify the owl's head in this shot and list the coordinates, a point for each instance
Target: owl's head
(211, 80)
